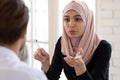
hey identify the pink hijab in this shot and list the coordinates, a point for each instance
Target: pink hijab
(88, 41)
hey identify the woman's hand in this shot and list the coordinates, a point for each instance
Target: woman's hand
(42, 56)
(76, 62)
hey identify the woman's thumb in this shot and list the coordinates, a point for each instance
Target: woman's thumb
(80, 52)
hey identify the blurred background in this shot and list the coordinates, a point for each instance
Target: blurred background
(45, 26)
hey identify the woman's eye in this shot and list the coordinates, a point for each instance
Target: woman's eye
(78, 19)
(66, 19)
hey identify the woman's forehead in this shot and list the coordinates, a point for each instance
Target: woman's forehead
(72, 12)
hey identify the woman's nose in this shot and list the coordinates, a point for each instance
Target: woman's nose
(71, 23)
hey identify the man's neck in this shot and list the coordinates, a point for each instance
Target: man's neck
(14, 47)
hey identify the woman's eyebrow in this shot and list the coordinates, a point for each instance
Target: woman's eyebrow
(77, 16)
(73, 16)
(66, 16)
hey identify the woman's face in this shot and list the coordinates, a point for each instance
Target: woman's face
(73, 24)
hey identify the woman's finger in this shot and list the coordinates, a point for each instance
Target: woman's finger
(38, 55)
(44, 53)
(80, 53)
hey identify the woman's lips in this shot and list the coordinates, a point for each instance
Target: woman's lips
(72, 32)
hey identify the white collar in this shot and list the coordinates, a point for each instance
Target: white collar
(8, 53)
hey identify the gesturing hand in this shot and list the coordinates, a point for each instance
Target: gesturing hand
(42, 56)
(76, 62)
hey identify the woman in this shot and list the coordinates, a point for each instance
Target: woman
(80, 51)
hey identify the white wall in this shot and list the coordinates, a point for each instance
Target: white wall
(108, 26)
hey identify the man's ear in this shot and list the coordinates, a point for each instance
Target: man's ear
(23, 34)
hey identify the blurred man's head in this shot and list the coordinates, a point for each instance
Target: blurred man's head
(13, 21)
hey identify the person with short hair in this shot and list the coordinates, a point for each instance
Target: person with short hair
(13, 27)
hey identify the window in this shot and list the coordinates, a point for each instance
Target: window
(37, 28)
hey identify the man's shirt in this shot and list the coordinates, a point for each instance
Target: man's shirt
(11, 68)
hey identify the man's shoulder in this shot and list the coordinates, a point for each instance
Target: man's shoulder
(22, 71)
(32, 72)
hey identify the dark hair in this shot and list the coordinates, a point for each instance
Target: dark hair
(13, 20)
